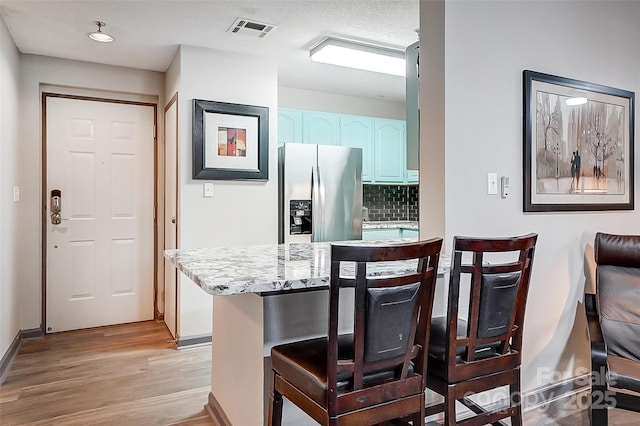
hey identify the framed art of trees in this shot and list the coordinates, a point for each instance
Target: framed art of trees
(578, 145)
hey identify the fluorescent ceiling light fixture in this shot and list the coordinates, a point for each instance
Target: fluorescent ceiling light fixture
(99, 35)
(359, 55)
(576, 101)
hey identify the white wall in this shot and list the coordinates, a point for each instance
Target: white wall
(34, 72)
(172, 78)
(289, 97)
(240, 212)
(488, 45)
(9, 211)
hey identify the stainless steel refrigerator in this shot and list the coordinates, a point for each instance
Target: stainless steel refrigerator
(320, 199)
(320, 193)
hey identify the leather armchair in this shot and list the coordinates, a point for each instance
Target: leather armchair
(613, 316)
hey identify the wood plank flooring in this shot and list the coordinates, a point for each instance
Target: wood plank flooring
(128, 375)
(132, 374)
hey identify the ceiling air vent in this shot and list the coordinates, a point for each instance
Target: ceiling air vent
(251, 28)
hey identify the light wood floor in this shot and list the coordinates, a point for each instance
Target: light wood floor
(132, 375)
(122, 375)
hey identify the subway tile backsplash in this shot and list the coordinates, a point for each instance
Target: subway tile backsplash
(391, 202)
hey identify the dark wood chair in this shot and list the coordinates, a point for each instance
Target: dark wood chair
(377, 372)
(613, 316)
(482, 352)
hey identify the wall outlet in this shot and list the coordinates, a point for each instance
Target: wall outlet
(492, 183)
(208, 190)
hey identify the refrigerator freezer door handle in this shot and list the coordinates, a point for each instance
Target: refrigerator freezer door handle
(317, 205)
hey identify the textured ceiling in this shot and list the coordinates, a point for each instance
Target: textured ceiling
(148, 33)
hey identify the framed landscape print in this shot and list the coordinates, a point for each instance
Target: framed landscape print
(230, 141)
(578, 145)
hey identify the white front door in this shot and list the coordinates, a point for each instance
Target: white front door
(99, 258)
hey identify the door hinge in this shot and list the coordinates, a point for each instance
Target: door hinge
(154, 213)
(155, 135)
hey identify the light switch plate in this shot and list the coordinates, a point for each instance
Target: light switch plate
(492, 183)
(16, 194)
(208, 190)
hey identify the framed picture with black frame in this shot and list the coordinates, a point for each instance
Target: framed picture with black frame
(578, 145)
(230, 141)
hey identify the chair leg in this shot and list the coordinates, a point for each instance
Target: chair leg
(274, 417)
(515, 400)
(449, 408)
(599, 414)
(418, 418)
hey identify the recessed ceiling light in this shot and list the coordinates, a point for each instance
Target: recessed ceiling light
(99, 35)
(362, 56)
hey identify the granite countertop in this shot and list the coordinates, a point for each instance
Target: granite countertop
(270, 268)
(404, 224)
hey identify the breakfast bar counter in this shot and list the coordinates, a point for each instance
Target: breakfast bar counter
(263, 295)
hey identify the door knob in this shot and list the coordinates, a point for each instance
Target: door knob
(173, 219)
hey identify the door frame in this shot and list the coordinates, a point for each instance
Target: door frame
(172, 101)
(45, 199)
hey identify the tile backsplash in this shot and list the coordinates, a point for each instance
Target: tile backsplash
(391, 202)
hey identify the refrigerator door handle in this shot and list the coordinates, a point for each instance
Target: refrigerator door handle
(317, 205)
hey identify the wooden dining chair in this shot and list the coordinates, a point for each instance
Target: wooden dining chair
(482, 352)
(376, 372)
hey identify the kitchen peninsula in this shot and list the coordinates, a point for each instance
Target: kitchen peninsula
(263, 295)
